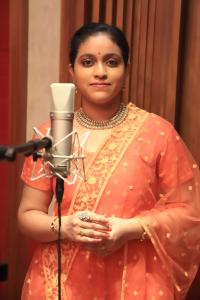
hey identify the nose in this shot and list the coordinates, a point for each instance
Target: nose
(100, 71)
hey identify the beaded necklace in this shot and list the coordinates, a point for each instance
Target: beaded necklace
(89, 123)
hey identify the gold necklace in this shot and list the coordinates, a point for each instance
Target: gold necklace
(89, 123)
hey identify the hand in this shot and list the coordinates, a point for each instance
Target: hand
(89, 231)
(122, 231)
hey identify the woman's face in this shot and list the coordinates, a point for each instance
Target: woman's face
(99, 71)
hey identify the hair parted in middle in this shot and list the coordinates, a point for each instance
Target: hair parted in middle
(92, 29)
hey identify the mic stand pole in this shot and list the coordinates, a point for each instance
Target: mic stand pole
(59, 196)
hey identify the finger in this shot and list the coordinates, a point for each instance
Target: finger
(99, 219)
(94, 217)
(88, 240)
(95, 226)
(94, 234)
(91, 217)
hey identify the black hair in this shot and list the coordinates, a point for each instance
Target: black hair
(91, 29)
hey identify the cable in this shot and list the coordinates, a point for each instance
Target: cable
(59, 196)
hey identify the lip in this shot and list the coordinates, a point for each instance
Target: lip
(99, 84)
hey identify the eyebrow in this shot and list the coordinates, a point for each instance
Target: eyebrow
(106, 55)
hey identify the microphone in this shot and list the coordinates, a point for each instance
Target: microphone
(61, 115)
(3, 150)
(66, 155)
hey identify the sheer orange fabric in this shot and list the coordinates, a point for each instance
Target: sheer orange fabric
(143, 170)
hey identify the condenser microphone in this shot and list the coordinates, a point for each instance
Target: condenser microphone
(61, 115)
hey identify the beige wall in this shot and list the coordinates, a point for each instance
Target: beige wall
(43, 58)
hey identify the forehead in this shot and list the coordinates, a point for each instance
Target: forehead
(99, 44)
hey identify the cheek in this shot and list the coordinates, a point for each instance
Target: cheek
(80, 76)
(119, 78)
(79, 80)
(118, 74)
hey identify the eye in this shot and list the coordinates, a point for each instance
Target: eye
(87, 62)
(112, 62)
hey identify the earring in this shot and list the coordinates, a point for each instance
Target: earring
(78, 96)
(81, 100)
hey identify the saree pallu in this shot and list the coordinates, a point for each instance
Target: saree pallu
(142, 171)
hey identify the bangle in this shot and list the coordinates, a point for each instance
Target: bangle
(144, 236)
(54, 225)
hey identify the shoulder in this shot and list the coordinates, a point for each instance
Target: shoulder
(159, 121)
(153, 122)
(155, 131)
(42, 129)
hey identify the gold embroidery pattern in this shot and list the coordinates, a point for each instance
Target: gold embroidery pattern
(90, 192)
(106, 161)
(124, 272)
(50, 269)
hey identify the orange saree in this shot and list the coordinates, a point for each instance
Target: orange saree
(143, 171)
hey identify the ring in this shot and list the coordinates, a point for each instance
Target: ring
(84, 217)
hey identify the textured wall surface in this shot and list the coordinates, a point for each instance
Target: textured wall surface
(43, 58)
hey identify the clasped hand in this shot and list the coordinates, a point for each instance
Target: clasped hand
(97, 233)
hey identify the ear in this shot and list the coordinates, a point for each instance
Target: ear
(71, 71)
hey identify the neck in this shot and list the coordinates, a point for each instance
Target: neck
(100, 112)
(84, 120)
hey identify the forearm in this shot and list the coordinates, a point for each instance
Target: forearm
(134, 230)
(36, 225)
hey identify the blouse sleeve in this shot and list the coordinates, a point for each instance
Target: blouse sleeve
(33, 169)
(33, 173)
(173, 225)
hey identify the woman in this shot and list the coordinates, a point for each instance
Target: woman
(131, 231)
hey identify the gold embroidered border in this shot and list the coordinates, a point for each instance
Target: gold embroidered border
(124, 271)
(89, 193)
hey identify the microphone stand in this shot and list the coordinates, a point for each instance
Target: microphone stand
(10, 154)
(59, 196)
(32, 148)
(3, 150)
(61, 170)
(29, 148)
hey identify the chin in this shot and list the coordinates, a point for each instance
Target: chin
(101, 101)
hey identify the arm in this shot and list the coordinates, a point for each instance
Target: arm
(33, 217)
(172, 169)
(35, 222)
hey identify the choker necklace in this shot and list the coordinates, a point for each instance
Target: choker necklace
(89, 123)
